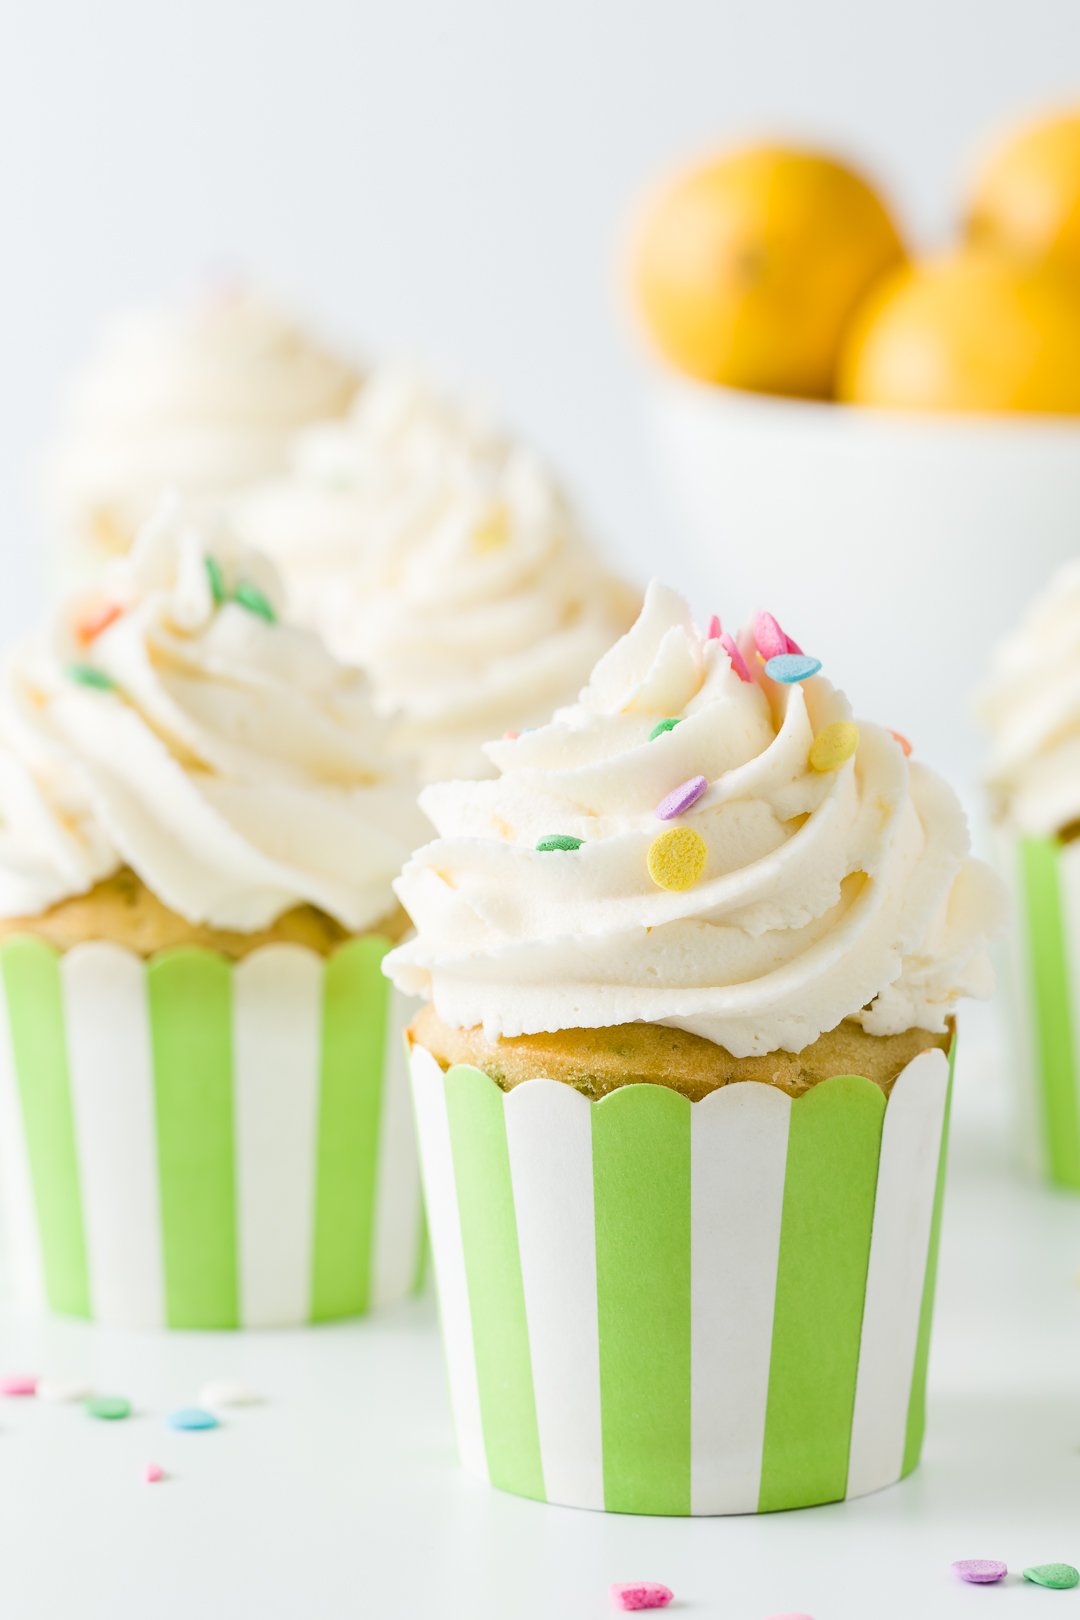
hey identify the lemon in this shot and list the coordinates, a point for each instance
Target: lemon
(1027, 195)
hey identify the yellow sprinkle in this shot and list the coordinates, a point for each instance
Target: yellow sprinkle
(493, 532)
(833, 745)
(677, 858)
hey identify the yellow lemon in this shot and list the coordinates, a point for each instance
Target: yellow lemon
(967, 332)
(748, 267)
(1027, 195)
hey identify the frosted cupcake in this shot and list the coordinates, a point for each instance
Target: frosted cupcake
(1031, 707)
(442, 557)
(682, 1085)
(202, 1119)
(202, 396)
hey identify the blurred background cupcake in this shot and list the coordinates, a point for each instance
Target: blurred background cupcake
(703, 873)
(205, 1122)
(200, 395)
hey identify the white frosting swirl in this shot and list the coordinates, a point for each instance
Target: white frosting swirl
(441, 557)
(1031, 706)
(225, 757)
(203, 397)
(848, 893)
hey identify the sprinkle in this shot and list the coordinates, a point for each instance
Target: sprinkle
(555, 841)
(191, 1417)
(1058, 1576)
(715, 630)
(738, 662)
(63, 1389)
(677, 858)
(153, 1472)
(249, 596)
(226, 1392)
(664, 725)
(833, 745)
(640, 1595)
(791, 667)
(87, 675)
(769, 639)
(217, 580)
(980, 1571)
(96, 620)
(110, 1408)
(681, 798)
(18, 1384)
(902, 740)
(511, 736)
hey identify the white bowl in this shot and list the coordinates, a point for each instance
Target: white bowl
(897, 548)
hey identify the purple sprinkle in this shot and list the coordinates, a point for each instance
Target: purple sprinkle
(980, 1571)
(681, 798)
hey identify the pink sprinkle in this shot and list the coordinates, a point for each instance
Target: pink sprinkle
(980, 1571)
(641, 1595)
(511, 736)
(18, 1384)
(738, 662)
(153, 1472)
(770, 640)
(715, 630)
(681, 798)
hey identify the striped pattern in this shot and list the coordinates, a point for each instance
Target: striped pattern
(653, 1306)
(192, 1143)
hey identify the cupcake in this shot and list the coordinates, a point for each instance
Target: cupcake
(682, 1081)
(203, 1113)
(202, 396)
(1031, 707)
(442, 557)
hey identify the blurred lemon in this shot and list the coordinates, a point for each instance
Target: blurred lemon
(1027, 197)
(748, 266)
(967, 332)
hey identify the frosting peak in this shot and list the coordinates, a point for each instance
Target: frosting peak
(599, 880)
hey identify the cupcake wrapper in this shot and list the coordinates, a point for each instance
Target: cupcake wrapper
(1043, 1000)
(654, 1306)
(195, 1143)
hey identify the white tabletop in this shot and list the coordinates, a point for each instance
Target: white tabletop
(340, 1495)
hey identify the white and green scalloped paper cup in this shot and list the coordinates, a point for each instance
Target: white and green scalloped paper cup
(657, 1306)
(194, 1143)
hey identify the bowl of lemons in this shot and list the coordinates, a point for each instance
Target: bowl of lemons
(887, 443)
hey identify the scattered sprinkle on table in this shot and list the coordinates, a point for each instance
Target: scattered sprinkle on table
(250, 597)
(735, 657)
(558, 841)
(902, 740)
(191, 1417)
(63, 1389)
(681, 798)
(1057, 1576)
(715, 630)
(834, 745)
(227, 1392)
(788, 668)
(640, 1595)
(18, 1384)
(980, 1571)
(217, 580)
(664, 725)
(87, 675)
(677, 858)
(153, 1472)
(110, 1408)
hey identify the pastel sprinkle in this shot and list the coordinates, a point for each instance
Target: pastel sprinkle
(87, 675)
(63, 1389)
(558, 841)
(191, 1417)
(715, 630)
(110, 1408)
(640, 1595)
(769, 639)
(738, 662)
(902, 740)
(1057, 1576)
(216, 579)
(227, 1392)
(664, 725)
(249, 596)
(96, 620)
(833, 745)
(511, 736)
(153, 1472)
(791, 667)
(681, 798)
(18, 1384)
(677, 858)
(980, 1571)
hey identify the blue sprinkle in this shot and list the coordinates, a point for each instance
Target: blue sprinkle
(792, 667)
(191, 1417)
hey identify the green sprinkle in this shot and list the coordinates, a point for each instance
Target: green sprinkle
(250, 597)
(559, 841)
(87, 675)
(217, 580)
(1057, 1576)
(664, 725)
(108, 1407)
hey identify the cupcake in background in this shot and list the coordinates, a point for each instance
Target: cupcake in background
(1031, 708)
(440, 555)
(691, 962)
(203, 1119)
(201, 396)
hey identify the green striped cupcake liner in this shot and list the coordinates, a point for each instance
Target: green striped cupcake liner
(656, 1306)
(194, 1143)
